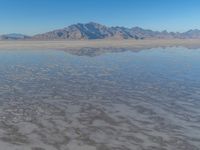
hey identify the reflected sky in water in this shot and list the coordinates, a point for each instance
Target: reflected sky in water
(154, 94)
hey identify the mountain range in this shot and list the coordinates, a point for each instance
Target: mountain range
(92, 30)
(14, 36)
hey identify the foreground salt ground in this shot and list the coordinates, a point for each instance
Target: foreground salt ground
(124, 101)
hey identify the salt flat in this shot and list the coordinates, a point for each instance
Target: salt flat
(137, 44)
(121, 100)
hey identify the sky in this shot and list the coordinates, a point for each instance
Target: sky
(36, 16)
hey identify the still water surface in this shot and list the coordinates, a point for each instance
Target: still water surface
(56, 100)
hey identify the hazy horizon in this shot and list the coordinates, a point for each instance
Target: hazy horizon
(32, 17)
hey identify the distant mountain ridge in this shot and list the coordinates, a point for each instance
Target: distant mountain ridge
(92, 30)
(14, 36)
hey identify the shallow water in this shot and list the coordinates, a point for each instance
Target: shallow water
(86, 100)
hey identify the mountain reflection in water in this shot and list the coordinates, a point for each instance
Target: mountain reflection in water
(112, 100)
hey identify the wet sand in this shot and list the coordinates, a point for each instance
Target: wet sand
(133, 44)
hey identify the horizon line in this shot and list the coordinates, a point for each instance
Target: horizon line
(109, 26)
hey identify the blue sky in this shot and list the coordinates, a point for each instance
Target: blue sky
(35, 16)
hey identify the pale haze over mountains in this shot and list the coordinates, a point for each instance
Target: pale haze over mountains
(91, 30)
